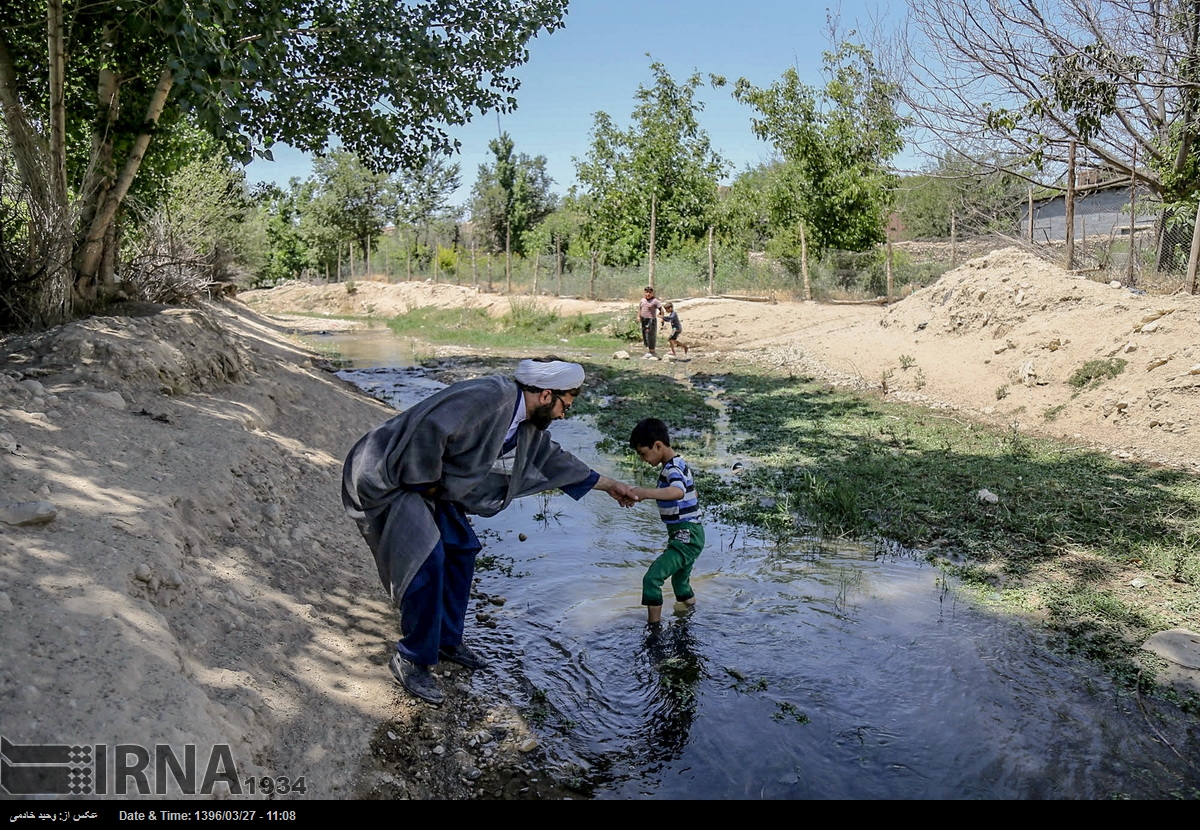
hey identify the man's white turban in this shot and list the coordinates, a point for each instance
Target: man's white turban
(558, 375)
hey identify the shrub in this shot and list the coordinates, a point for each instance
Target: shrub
(1095, 372)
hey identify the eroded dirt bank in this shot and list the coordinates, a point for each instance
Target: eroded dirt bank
(179, 569)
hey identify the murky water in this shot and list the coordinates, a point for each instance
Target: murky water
(808, 671)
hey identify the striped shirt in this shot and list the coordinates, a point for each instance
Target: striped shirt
(675, 473)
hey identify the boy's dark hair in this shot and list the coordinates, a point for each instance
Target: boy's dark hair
(647, 431)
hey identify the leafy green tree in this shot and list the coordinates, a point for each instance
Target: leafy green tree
(653, 185)
(286, 255)
(833, 182)
(420, 196)
(350, 198)
(510, 196)
(554, 240)
(88, 90)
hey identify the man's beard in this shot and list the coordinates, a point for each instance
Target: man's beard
(542, 416)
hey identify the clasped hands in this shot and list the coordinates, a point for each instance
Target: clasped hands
(621, 492)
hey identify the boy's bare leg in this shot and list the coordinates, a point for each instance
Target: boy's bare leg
(653, 613)
(685, 348)
(691, 601)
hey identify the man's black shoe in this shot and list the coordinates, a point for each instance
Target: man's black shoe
(417, 679)
(463, 656)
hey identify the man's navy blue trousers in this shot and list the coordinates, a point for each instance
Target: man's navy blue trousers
(434, 607)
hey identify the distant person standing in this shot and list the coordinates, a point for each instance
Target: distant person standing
(669, 316)
(648, 310)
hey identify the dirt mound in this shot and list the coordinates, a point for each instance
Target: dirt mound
(1066, 355)
(377, 299)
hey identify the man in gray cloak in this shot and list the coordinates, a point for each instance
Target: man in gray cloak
(410, 482)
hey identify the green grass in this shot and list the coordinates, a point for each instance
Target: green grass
(527, 326)
(1095, 372)
(1069, 532)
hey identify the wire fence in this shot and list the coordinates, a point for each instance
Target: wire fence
(1120, 235)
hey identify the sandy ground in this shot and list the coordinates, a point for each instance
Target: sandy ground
(176, 568)
(997, 338)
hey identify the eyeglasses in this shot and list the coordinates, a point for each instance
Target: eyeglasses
(566, 406)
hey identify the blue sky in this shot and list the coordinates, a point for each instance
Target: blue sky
(598, 60)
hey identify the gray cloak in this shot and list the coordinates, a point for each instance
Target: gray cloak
(452, 440)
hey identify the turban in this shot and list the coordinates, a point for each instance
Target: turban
(558, 375)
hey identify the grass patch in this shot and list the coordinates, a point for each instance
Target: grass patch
(526, 326)
(1071, 529)
(1095, 372)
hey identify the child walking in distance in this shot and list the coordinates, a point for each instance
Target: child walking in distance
(680, 511)
(669, 316)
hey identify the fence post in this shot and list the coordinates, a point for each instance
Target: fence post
(711, 268)
(1070, 209)
(1195, 254)
(804, 263)
(1130, 281)
(1031, 216)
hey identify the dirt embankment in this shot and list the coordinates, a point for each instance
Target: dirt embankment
(176, 567)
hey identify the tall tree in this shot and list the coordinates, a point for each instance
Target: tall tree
(421, 195)
(972, 197)
(510, 196)
(653, 185)
(384, 79)
(350, 197)
(1021, 80)
(285, 255)
(834, 182)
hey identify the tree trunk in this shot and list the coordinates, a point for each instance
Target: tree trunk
(537, 261)
(58, 108)
(1031, 215)
(27, 149)
(1131, 279)
(1070, 208)
(712, 271)
(804, 263)
(953, 240)
(889, 272)
(507, 257)
(592, 276)
(47, 301)
(91, 252)
(653, 228)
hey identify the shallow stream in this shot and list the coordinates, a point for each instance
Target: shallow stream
(809, 670)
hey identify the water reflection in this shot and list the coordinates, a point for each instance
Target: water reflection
(807, 669)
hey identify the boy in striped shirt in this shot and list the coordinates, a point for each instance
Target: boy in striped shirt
(680, 511)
